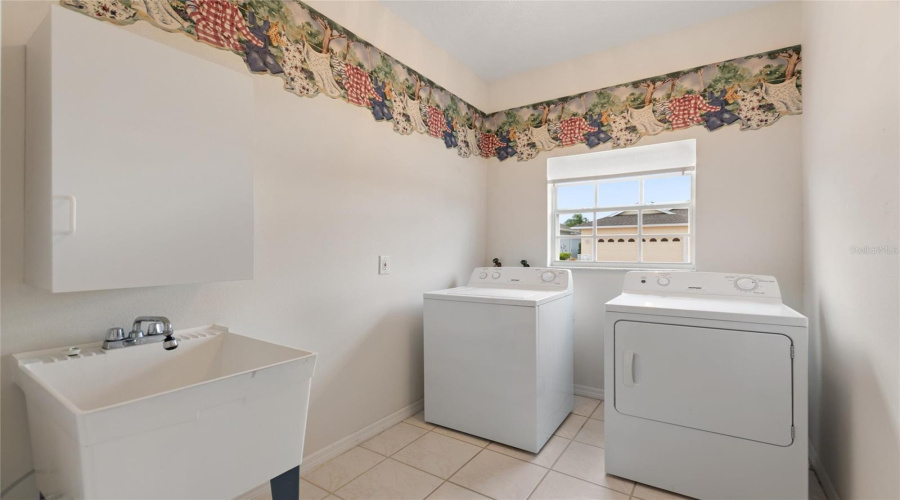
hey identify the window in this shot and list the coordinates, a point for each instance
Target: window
(610, 216)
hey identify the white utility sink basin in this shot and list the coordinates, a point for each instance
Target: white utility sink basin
(219, 415)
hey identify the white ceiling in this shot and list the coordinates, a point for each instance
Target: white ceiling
(504, 37)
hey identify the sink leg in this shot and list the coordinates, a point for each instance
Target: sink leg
(287, 485)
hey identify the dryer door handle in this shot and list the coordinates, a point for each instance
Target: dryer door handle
(629, 368)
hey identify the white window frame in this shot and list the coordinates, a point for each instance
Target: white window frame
(553, 256)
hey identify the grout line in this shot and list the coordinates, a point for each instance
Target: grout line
(463, 466)
(633, 484)
(420, 470)
(547, 473)
(432, 491)
(413, 466)
(482, 448)
(431, 474)
(354, 477)
(561, 454)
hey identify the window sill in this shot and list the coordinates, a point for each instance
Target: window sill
(591, 267)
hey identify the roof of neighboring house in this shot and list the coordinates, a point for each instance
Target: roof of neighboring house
(564, 229)
(629, 218)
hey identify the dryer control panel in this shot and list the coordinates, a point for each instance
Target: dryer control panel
(540, 278)
(702, 283)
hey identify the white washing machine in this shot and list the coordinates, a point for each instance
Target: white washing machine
(706, 386)
(498, 355)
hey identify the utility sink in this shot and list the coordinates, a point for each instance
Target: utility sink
(214, 418)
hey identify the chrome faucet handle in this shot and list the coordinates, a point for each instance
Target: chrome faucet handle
(155, 328)
(135, 333)
(115, 334)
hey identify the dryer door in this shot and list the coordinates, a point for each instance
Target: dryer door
(731, 382)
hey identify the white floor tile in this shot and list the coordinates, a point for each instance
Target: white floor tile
(462, 436)
(342, 469)
(645, 492)
(598, 413)
(557, 486)
(592, 433)
(392, 440)
(570, 426)
(419, 420)
(390, 480)
(499, 476)
(585, 406)
(589, 463)
(545, 458)
(309, 491)
(437, 454)
(450, 491)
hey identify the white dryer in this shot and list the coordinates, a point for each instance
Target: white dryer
(498, 355)
(706, 386)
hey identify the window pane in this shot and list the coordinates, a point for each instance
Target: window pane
(675, 189)
(586, 250)
(665, 220)
(574, 249)
(621, 248)
(617, 222)
(567, 248)
(669, 249)
(574, 196)
(572, 224)
(618, 193)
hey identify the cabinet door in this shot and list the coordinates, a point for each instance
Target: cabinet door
(153, 147)
(737, 383)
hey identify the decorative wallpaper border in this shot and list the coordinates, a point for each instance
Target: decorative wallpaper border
(314, 55)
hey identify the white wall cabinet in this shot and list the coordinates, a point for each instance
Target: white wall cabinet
(139, 168)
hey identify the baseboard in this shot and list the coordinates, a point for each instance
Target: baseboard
(588, 392)
(817, 466)
(370, 431)
(24, 488)
(347, 443)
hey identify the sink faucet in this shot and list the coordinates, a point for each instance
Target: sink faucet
(160, 329)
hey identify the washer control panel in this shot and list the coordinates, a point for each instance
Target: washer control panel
(702, 283)
(530, 277)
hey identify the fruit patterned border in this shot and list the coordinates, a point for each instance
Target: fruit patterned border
(314, 55)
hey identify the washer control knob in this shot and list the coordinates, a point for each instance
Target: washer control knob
(495, 275)
(746, 284)
(548, 276)
(482, 275)
(663, 281)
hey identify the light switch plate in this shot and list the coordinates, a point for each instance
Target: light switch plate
(384, 264)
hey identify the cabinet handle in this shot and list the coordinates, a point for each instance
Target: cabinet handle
(629, 368)
(73, 206)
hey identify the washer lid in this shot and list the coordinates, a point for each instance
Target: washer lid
(508, 296)
(706, 307)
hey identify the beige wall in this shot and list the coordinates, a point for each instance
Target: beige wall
(311, 290)
(748, 32)
(851, 173)
(748, 211)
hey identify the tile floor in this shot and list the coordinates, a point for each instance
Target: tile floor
(417, 460)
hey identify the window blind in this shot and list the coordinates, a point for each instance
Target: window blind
(678, 156)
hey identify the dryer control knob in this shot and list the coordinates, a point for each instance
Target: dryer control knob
(663, 281)
(548, 276)
(482, 275)
(495, 275)
(746, 284)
